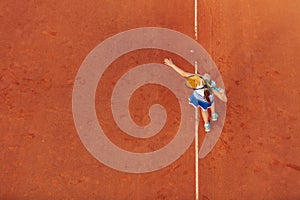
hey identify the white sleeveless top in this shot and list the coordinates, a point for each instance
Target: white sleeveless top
(199, 94)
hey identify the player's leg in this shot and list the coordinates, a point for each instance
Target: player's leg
(212, 108)
(203, 106)
(204, 116)
(214, 114)
(205, 119)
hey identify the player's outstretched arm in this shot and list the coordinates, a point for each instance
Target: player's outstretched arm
(170, 63)
(220, 93)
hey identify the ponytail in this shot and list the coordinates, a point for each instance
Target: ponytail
(207, 93)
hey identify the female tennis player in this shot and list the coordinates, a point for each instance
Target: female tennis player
(203, 95)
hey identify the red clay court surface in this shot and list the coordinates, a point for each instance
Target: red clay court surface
(255, 45)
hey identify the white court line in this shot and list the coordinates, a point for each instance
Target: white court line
(196, 20)
(196, 147)
(196, 110)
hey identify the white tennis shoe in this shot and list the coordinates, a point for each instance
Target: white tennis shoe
(207, 127)
(214, 117)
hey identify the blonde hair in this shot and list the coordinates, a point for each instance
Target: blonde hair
(195, 81)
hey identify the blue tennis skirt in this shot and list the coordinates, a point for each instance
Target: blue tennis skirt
(197, 102)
